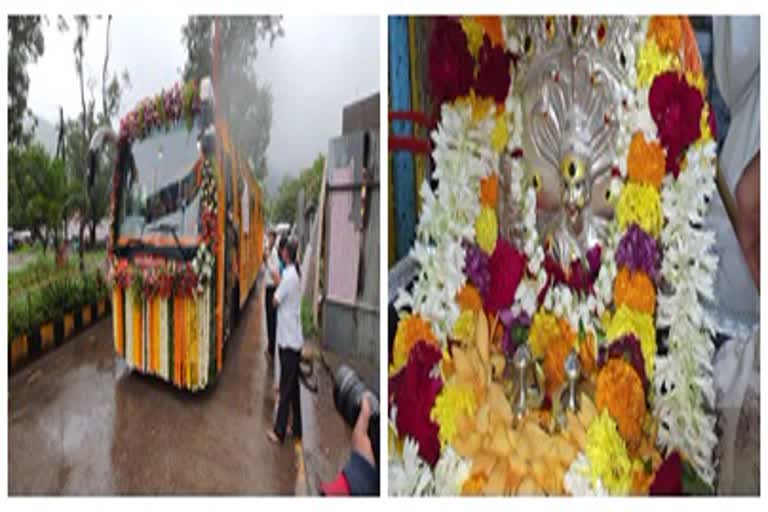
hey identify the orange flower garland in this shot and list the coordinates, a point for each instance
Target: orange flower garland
(469, 298)
(668, 32)
(489, 190)
(646, 161)
(554, 359)
(620, 390)
(587, 357)
(634, 289)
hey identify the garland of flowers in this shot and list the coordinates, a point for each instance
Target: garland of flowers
(477, 297)
(179, 103)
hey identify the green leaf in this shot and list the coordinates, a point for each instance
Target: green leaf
(693, 485)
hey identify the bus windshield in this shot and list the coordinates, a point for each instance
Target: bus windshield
(162, 198)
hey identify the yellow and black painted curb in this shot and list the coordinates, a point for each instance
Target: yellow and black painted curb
(28, 347)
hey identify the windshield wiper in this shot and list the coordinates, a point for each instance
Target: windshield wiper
(170, 228)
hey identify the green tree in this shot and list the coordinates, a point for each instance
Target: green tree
(247, 104)
(283, 206)
(40, 197)
(25, 45)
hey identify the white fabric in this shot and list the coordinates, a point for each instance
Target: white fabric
(737, 363)
(737, 71)
(288, 296)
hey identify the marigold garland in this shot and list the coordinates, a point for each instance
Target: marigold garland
(544, 329)
(464, 328)
(474, 32)
(455, 398)
(557, 351)
(620, 391)
(469, 298)
(628, 321)
(646, 161)
(635, 289)
(640, 204)
(652, 61)
(499, 135)
(487, 229)
(410, 330)
(667, 31)
(489, 190)
(608, 457)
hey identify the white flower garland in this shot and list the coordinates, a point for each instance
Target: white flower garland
(578, 481)
(684, 384)
(462, 158)
(409, 475)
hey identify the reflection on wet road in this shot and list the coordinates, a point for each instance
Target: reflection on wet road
(81, 423)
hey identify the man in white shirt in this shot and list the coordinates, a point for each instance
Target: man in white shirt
(290, 341)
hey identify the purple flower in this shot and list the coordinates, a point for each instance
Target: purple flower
(638, 251)
(476, 268)
(627, 347)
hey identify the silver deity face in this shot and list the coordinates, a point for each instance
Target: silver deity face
(570, 78)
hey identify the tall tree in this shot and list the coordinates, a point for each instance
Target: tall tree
(25, 45)
(247, 104)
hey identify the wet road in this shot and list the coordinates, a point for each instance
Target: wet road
(80, 423)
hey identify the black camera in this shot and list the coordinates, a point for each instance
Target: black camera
(348, 392)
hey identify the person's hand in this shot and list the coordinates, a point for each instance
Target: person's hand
(748, 217)
(360, 441)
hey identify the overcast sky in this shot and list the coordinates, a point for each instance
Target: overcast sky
(322, 64)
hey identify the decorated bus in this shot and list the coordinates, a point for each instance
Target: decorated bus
(186, 232)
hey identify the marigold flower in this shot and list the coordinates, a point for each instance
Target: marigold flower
(640, 204)
(489, 190)
(499, 135)
(628, 321)
(454, 399)
(607, 454)
(587, 356)
(652, 61)
(544, 329)
(620, 391)
(464, 328)
(557, 351)
(486, 229)
(410, 330)
(667, 31)
(635, 289)
(474, 485)
(469, 298)
(646, 161)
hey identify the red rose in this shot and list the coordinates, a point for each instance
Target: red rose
(451, 66)
(506, 266)
(493, 75)
(668, 480)
(413, 391)
(676, 108)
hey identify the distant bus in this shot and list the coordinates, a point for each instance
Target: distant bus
(186, 234)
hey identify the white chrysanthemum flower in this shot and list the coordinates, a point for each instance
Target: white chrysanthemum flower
(409, 475)
(450, 473)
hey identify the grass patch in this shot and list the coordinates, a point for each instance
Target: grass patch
(308, 327)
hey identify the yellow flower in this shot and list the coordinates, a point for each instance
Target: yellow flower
(640, 204)
(474, 32)
(500, 134)
(652, 61)
(628, 321)
(543, 329)
(454, 399)
(698, 81)
(607, 454)
(480, 106)
(410, 330)
(464, 328)
(486, 229)
(706, 133)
